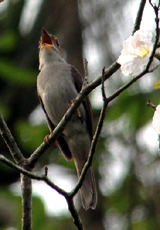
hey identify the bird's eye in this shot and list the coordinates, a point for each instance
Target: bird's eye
(57, 42)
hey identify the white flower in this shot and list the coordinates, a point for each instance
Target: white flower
(156, 120)
(136, 52)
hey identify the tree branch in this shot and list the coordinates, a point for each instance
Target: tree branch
(27, 200)
(151, 105)
(74, 214)
(26, 187)
(10, 141)
(139, 16)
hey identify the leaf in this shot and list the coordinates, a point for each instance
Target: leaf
(156, 85)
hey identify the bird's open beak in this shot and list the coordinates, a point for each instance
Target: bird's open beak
(46, 40)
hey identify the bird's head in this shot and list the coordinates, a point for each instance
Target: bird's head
(49, 49)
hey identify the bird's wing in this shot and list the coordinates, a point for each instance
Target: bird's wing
(62, 144)
(77, 79)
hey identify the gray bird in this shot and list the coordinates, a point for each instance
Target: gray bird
(58, 84)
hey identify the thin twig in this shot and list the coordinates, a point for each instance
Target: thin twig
(74, 214)
(103, 87)
(26, 187)
(139, 16)
(154, 67)
(85, 81)
(32, 175)
(10, 141)
(156, 9)
(151, 105)
(94, 141)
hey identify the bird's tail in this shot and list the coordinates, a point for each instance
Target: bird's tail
(88, 189)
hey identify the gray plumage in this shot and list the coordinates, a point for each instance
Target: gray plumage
(58, 83)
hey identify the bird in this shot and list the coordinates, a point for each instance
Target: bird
(58, 84)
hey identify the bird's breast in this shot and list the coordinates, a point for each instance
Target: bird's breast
(56, 89)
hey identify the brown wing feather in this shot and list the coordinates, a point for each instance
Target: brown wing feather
(62, 144)
(77, 79)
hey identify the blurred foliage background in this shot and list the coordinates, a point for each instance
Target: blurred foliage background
(126, 162)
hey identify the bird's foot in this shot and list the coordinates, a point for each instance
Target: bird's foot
(46, 139)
